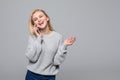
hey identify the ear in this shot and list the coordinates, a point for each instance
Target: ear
(48, 19)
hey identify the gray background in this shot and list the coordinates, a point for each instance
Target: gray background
(96, 23)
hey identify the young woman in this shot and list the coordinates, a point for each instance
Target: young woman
(46, 48)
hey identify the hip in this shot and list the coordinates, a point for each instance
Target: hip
(33, 76)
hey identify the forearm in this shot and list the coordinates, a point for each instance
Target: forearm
(60, 55)
(33, 50)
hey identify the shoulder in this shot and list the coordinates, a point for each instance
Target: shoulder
(32, 37)
(57, 34)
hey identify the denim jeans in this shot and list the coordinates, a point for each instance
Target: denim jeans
(33, 76)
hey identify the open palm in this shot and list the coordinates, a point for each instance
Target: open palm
(69, 41)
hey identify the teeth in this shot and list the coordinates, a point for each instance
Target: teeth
(41, 23)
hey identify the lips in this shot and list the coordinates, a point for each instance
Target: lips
(41, 23)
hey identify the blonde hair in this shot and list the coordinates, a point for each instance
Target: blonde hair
(31, 23)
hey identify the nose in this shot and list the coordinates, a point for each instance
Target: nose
(39, 20)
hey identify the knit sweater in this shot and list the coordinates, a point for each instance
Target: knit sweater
(45, 54)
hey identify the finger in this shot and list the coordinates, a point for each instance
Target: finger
(36, 30)
(70, 38)
(39, 29)
(35, 25)
(73, 38)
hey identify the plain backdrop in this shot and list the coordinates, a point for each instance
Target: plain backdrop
(96, 24)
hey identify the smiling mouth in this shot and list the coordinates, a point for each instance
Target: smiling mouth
(41, 23)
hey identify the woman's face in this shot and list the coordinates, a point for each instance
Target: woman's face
(40, 20)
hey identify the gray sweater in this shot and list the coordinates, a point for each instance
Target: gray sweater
(45, 54)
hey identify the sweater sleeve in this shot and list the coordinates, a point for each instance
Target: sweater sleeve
(33, 49)
(61, 53)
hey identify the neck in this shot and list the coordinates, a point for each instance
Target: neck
(46, 30)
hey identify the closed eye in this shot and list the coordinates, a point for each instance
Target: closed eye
(40, 16)
(34, 19)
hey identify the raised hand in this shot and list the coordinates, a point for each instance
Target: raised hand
(69, 41)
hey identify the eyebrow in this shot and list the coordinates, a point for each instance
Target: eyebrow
(34, 18)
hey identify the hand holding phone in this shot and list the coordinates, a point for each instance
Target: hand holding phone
(37, 31)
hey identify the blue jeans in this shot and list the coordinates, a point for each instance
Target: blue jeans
(33, 76)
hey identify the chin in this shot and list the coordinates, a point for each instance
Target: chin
(41, 27)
